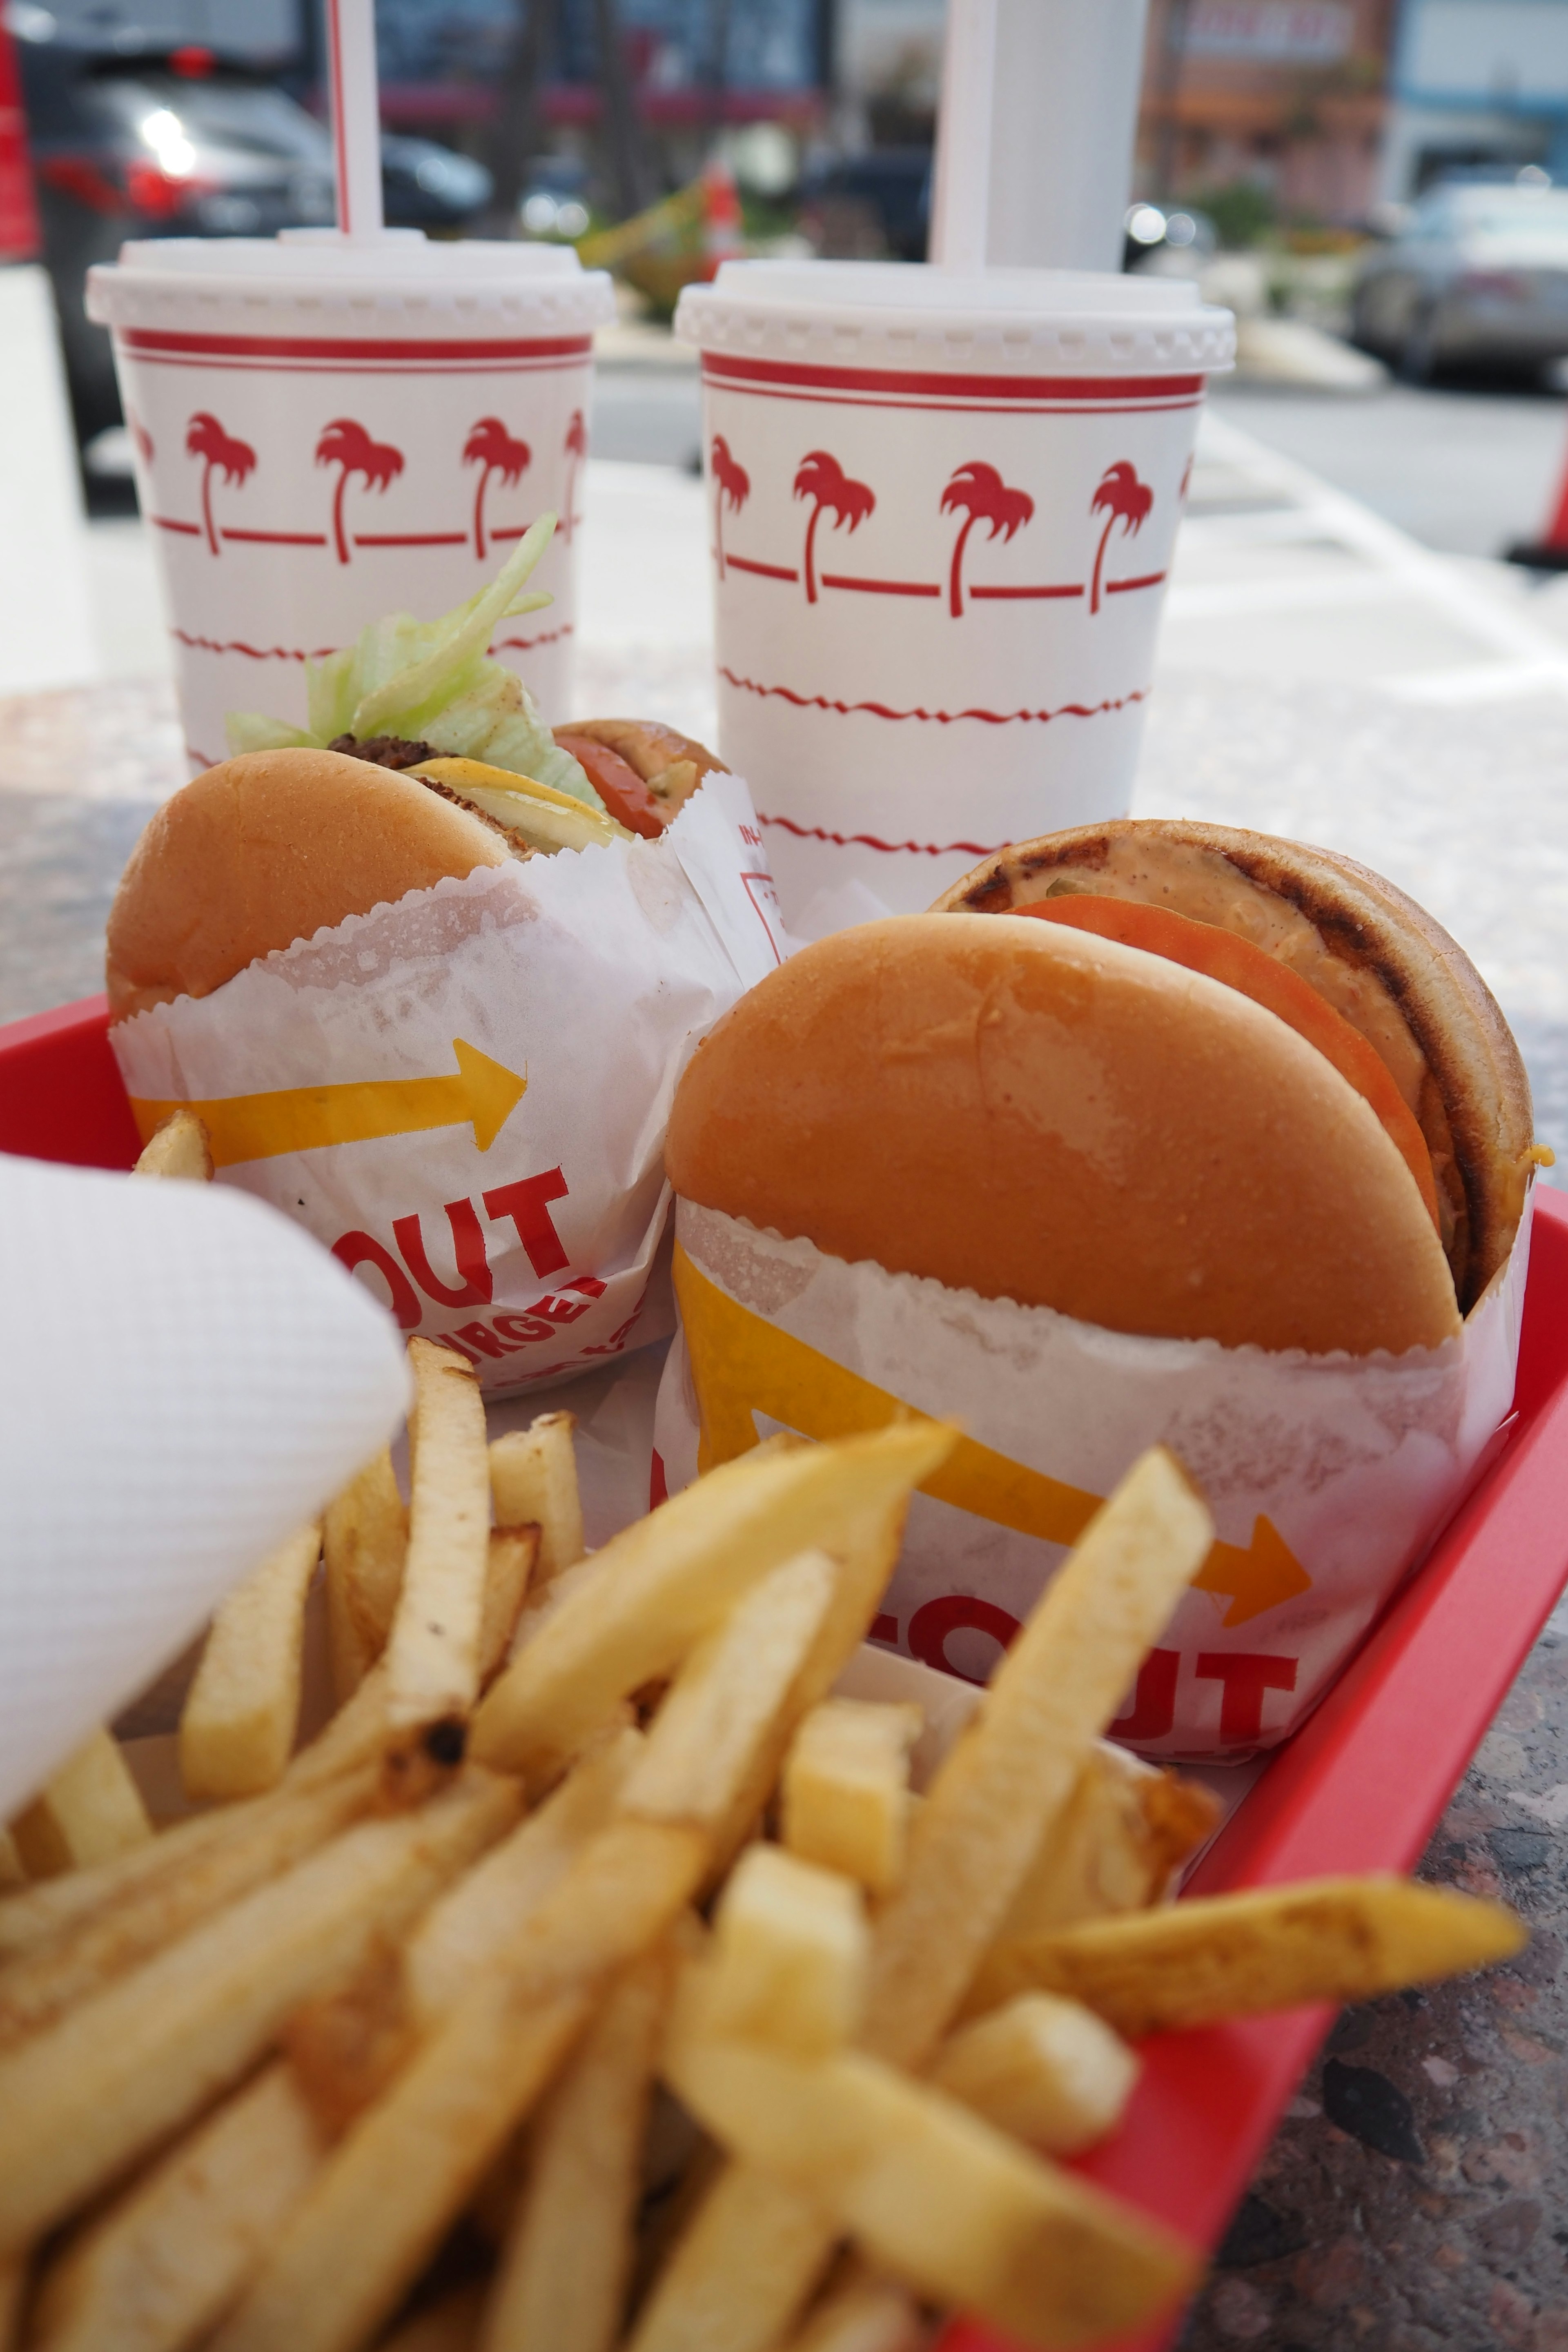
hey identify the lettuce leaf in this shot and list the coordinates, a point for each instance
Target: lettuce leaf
(435, 682)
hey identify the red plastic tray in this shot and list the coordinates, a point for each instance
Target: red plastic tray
(1361, 1787)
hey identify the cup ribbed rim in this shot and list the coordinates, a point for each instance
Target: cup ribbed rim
(961, 342)
(424, 310)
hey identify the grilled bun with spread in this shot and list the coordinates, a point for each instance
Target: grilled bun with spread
(1038, 1113)
(1342, 955)
(272, 846)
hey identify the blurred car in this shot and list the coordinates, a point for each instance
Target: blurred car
(176, 143)
(1475, 276)
(875, 207)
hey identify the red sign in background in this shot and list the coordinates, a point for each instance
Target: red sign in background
(19, 212)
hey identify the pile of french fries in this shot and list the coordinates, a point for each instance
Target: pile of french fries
(595, 1977)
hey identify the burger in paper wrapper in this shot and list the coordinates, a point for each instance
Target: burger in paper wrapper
(1231, 1151)
(428, 975)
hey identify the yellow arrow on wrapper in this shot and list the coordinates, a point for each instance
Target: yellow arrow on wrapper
(741, 1364)
(305, 1118)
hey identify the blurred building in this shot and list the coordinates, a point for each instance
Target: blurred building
(1282, 99)
(1477, 85)
(690, 62)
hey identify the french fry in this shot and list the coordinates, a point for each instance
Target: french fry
(88, 1953)
(928, 2189)
(364, 1540)
(534, 1475)
(433, 1651)
(410, 2163)
(238, 1723)
(345, 2045)
(1218, 1955)
(863, 2314)
(477, 1920)
(91, 1810)
(1011, 1772)
(12, 1872)
(846, 1790)
(166, 2261)
(789, 1955)
(728, 1696)
(113, 2077)
(659, 1587)
(1048, 2070)
(1123, 1831)
(13, 2296)
(866, 1547)
(451, 2325)
(179, 1147)
(741, 2272)
(563, 2271)
(509, 1565)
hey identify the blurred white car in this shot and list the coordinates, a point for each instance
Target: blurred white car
(1477, 277)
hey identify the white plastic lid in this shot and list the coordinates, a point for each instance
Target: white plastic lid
(431, 287)
(913, 316)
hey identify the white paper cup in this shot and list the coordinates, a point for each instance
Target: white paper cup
(942, 511)
(328, 431)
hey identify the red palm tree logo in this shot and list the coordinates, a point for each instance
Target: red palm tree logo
(732, 483)
(576, 451)
(823, 480)
(206, 439)
(978, 493)
(143, 439)
(492, 448)
(348, 445)
(1126, 501)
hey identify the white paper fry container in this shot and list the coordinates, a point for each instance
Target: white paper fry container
(465, 1095)
(1328, 1475)
(942, 509)
(187, 1382)
(326, 432)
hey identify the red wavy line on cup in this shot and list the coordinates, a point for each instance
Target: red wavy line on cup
(870, 840)
(940, 718)
(296, 653)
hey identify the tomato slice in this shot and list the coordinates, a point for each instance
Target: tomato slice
(1222, 956)
(618, 783)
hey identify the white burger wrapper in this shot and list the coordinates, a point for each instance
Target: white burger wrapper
(1328, 1475)
(516, 1207)
(186, 1381)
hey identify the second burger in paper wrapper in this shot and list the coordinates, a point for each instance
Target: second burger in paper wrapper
(1231, 1150)
(428, 973)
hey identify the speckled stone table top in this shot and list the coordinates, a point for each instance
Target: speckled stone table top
(1415, 2199)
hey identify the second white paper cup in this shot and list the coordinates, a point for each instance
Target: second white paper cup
(941, 511)
(325, 433)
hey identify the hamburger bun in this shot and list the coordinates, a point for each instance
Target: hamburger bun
(269, 848)
(1369, 952)
(1038, 1113)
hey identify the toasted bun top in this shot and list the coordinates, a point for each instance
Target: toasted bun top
(1371, 952)
(1038, 1113)
(270, 848)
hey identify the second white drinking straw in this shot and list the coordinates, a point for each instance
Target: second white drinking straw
(356, 117)
(962, 200)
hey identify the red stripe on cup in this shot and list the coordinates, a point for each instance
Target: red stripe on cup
(159, 340)
(1120, 587)
(278, 538)
(763, 571)
(1075, 589)
(882, 587)
(413, 538)
(721, 368)
(165, 522)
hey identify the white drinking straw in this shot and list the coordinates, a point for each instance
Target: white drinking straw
(962, 203)
(356, 117)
